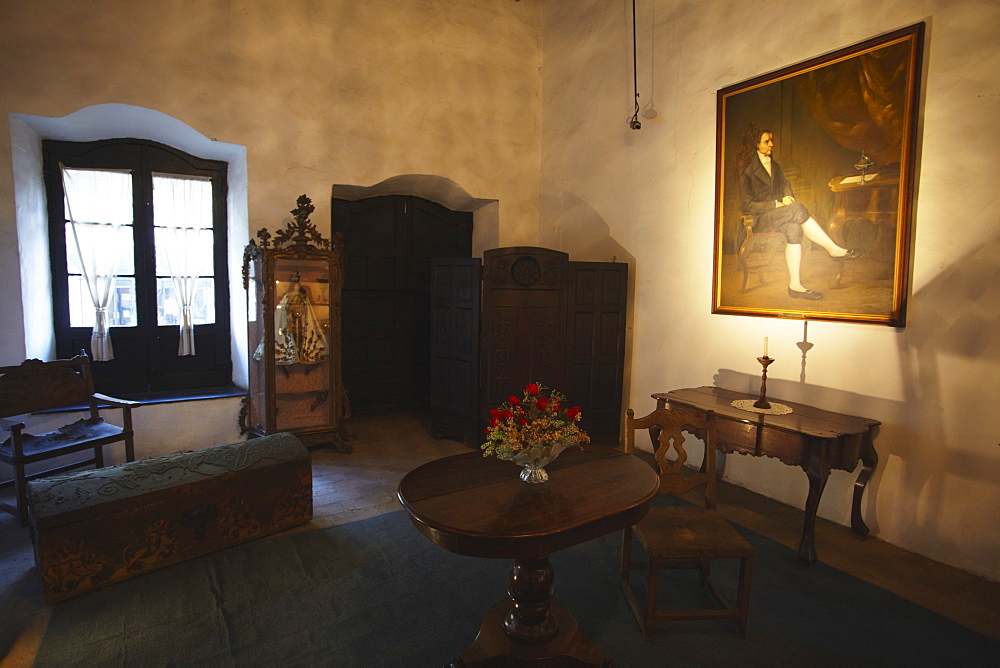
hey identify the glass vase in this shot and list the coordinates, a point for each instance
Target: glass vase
(534, 474)
(533, 460)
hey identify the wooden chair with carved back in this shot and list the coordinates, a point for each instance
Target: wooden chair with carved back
(35, 386)
(757, 252)
(683, 536)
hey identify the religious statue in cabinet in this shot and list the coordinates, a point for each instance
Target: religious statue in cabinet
(293, 282)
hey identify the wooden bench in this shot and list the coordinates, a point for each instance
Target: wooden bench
(94, 528)
(35, 386)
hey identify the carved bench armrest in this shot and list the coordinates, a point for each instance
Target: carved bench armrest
(10, 425)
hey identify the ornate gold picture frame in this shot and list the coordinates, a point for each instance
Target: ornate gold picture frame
(814, 185)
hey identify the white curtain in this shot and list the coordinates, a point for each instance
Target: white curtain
(98, 205)
(182, 209)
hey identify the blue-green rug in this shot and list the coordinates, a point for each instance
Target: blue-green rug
(378, 593)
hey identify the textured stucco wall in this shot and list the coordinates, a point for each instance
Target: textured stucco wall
(647, 196)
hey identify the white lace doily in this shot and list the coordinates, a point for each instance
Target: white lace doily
(748, 405)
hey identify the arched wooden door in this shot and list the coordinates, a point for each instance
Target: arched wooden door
(389, 242)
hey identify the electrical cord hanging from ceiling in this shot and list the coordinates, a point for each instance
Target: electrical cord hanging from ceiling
(634, 121)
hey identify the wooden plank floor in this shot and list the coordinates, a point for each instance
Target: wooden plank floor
(350, 487)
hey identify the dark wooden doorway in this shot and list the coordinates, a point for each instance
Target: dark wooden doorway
(389, 242)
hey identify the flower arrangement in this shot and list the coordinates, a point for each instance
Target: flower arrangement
(535, 428)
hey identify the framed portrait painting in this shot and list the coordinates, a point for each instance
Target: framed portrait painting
(814, 186)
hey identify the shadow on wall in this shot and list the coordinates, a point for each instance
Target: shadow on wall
(583, 233)
(954, 322)
(579, 231)
(957, 312)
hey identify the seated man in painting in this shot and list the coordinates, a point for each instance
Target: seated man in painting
(767, 195)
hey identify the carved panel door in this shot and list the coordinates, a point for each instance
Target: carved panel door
(455, 311)
(595, 348)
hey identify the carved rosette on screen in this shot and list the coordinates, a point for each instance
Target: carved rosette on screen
(293, 280)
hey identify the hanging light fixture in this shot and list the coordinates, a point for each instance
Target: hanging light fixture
(633, 122)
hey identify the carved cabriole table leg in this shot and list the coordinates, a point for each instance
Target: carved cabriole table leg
(869, 461)
(818, 471)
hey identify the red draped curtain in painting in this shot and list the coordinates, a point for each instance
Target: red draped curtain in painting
(861, 101)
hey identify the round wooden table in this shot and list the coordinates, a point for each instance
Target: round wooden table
(477, 506)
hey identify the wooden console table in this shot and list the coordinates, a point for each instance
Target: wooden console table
(479, 507)
(809, 437)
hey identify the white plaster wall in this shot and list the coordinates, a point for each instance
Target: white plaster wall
(647, 197)
(319, 93)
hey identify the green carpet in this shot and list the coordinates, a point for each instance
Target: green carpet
(378, 593)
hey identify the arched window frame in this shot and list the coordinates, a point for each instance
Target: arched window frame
(146, 357)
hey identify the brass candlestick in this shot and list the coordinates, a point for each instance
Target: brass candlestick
(762, 402)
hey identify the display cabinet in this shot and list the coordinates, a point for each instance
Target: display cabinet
(293, 281)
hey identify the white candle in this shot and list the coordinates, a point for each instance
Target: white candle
(765, 346)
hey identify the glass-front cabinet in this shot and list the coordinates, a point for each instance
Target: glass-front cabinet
(293, 281)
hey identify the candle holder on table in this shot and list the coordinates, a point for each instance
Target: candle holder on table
(763, 402)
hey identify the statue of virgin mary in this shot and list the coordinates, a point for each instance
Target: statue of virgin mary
(298, 336)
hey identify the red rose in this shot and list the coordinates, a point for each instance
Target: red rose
(531, 389)
(513, 401)
(522, 420)
(541, 403)
(573, 413)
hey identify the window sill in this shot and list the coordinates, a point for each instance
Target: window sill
(174, 396)
(164, 397)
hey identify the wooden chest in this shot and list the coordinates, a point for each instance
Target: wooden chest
(93, 528)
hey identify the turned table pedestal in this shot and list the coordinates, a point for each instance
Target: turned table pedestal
(478, 506)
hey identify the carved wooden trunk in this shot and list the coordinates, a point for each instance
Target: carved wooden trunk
(93, 528)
